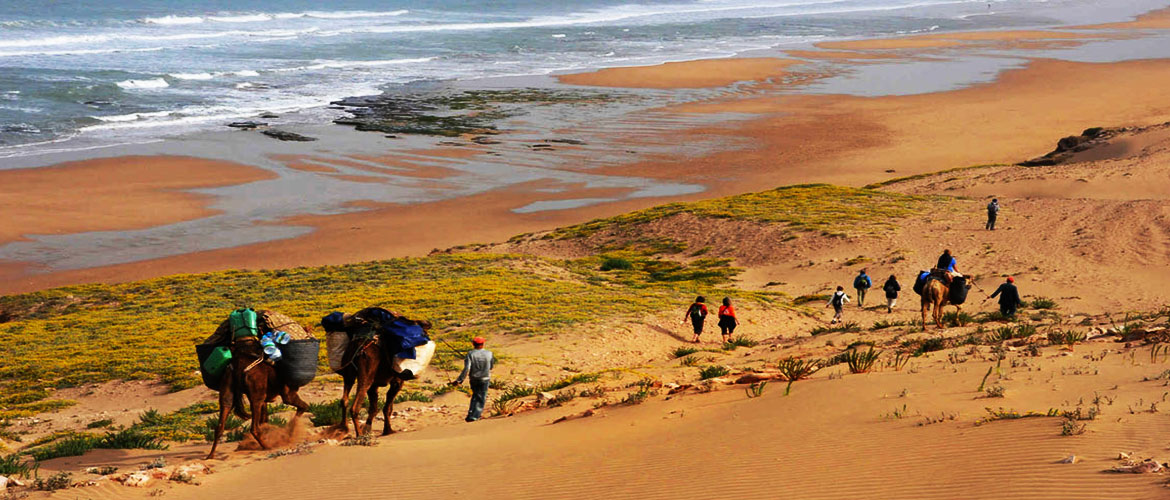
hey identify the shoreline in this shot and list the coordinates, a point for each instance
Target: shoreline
(786, 138)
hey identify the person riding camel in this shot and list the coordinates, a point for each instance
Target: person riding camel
(946, 267)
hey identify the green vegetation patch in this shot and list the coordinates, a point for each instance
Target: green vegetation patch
(146, 330)
(808, 207)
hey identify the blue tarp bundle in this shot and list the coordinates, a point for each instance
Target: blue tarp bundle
(397, 333)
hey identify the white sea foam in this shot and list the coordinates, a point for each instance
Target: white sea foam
(210, 75)
(332, 64)
(132, 116)
(259, 17)
(90, 40)
(173, 20)
(192, 76)
(154, 83)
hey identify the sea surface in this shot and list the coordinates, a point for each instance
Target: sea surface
(120, 70)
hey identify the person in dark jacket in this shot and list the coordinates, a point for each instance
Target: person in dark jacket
(697, 314)
(892, 287)
(1009, 298)
(862, 283)
(992, 213)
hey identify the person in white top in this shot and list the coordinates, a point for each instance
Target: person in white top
(838, 302)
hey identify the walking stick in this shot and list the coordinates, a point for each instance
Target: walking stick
(453, 349)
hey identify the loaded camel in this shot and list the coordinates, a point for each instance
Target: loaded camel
(367, 362)
(936, 294)
(249, 374)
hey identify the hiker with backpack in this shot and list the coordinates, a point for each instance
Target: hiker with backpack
(862, 283)
(1009, 298)
(992, 213)
(892, 287)
(727, 319)
(478, 365)
(838, 301)
(697, 313)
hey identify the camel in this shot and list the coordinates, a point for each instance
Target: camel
(937, 294)
(249, 374)
(369, 366)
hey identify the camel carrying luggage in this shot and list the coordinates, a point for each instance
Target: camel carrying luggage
(958, 290)
(299, 356)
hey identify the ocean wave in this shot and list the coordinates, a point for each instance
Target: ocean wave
(210, 76)
(131, 116)
(154, 83)
(173, 20)
(334, 64)
(90, 40)
(259, 17)
(75, 52)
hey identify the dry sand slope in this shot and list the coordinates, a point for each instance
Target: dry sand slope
(833, 437)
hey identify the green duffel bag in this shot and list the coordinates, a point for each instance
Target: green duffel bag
(213, 362)
(244, 323)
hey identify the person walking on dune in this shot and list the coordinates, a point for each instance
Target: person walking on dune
(992, 213)
(892, 287)
(862, 283)
(727, 319)
(1009, 298)
(697, 314)
(478, 366)
(838, 301)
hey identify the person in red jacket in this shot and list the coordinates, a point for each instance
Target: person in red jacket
(727, 319)
(697, 313)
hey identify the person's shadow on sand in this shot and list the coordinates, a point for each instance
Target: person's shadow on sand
(660, 329)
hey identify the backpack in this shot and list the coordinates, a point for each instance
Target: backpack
(696, 313)
(862, 281)
(838, 298)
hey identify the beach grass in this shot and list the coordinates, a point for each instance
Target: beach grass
(83, 334)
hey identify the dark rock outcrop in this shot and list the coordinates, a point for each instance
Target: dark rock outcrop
(287, 136)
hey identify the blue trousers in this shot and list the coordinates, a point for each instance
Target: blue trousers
(479, 388)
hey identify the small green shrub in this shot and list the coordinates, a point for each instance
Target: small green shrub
(957, 318)
(69, 446)
(795, 369)
(58, 481)
(580, 378)
(419, 396)
(99, 424)
(639, 396)
(932, 344)
(323, 414)
(739, 341)
(1042, 303)
(616, 263)
(684, 351)
(859, 361)
(689, 361)
(756, 390)
(130, 439)
(14, 465)
(713, 371)
(562, 397)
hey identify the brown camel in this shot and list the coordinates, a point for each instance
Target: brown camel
(937, 294)
(370, 367)
(249, 374)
